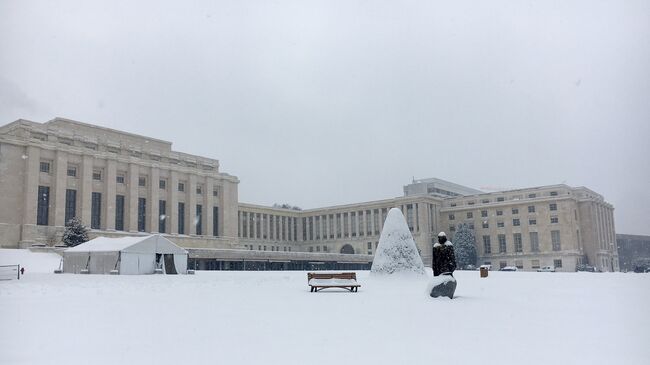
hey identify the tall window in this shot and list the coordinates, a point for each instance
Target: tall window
(531, 209)
(72, 171)
(516, 222)
(470, 215)
(284, 230)
(199, 219)
(162, 184)
(409, 216)
(70, 204)
(215, 221)
(555, 240)
(96, 210)
(368, 223)
(360, 215)
(487, 247)
(310, 228)
(502, 243)
(162, 215)
(518, 244)
(45, 167)
(142, 214)
(534, 242)
(272, 226)
(181, 218)
(119, 212)
(346, 231)
(43, 210)
(264, 225)
(353, 218)
(338, 225)
(317, 226)
(552, 206)
(376, 220)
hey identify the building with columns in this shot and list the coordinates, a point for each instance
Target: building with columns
(119, 183)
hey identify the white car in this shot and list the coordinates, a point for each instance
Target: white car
(546, 269)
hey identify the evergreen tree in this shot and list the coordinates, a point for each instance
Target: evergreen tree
(75, 233)
(465, 246)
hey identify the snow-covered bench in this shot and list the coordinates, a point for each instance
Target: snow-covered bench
(344, 280)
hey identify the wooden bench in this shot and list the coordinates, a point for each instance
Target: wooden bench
(344, 280)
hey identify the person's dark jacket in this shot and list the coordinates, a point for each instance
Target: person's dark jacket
(444, 259)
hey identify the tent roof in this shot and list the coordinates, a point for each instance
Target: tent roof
(138, 244)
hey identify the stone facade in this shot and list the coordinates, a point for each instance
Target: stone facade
(113, 181)
(120, 183)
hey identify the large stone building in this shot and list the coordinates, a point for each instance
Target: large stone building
(119, 183)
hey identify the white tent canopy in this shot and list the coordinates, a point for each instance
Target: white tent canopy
(126, 255)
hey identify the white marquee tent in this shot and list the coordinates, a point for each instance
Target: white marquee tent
(126, 256)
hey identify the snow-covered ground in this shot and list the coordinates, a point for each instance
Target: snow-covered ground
(272, 318)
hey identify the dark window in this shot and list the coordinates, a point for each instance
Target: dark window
(516, 222)
(470, 215)
(515, 211)
(487, 247)
(181, 217)
(502, 243)
(215, 192)
(452, 217)
(142, 181)
(518, 244)
(500, 224)
(486, 224)
(484, 213)
(70, 204)
(499, 212)
(119, 179)
(142, 214)
(532, 222)
(215, 221)
(534, 242)
(557, 264)
(500, 199)
(97, 175)
(96, 210)
(45, 167)
(181, 186)
(553, 193)
(162, 184)
(555, 240)
(199, 219)
(552, 206)
(554, 220)
(43, 210)
(162, 215)
(119, 212)
(531, 209)
(199, 189)
(532, 195)
(72, 171)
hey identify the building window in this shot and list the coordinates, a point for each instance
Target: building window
(199, 220)
(519, 264)
(518, 244)
(96, 210)
(515, 211)
(487, 247)
(555, 240)
(376, 220)
(142, 181)
(199, 190)
(552, 206)
(557, 264)
(499, 212)
(554, 219)
(502, 243)
(43, 207)
(119, 212)
(70, 204)
(162, 215)
(369, 246)
(531, 196)
(471, 225)
(534, 242)
(553, 193)
(215, 221)
(72, 171)
(503, 264)
(485, 201)
(484, 213)
(45, 167)
(452, 217)
(452, 204)
(215, 192)
(142, 214)
(486, 224)
(311, 249)
(515, 222)
(452, 229)
(181, 186)
(97, 175)
(500, 199)
(500, 224)
(345, 225)
(470, 215)
(534, 264)
(181, 218)
(119, 178)
(531, 209)
(162, 184)
(532, 222)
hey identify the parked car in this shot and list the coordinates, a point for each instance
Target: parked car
(508, 268)
(546, 269)
(587, 268)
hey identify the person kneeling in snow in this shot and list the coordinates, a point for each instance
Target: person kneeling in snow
(444, 259)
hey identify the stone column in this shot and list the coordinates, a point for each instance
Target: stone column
(132, 197)
(111, 192)
(190, 194)
(32, 163)
(60, 185)
(153, 196)
(208, 203)
(86, 189)
(172, 203)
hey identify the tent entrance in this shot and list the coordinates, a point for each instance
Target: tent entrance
(170, 266)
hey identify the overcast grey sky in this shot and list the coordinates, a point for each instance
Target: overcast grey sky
(319, 103)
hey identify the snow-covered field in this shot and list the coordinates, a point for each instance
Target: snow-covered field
(272, 318)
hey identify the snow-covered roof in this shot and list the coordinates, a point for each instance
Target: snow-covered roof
(141, 244)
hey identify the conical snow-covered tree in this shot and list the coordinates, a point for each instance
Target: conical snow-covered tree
(396, 252)
(465, 246)
(75, 233)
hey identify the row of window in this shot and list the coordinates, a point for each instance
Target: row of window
(120, 178)
(518, 244)
(501, 224)
(484, 213)
(503, 198)
(534, 264)
(42, 216)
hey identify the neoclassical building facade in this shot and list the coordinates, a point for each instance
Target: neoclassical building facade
(119, 183)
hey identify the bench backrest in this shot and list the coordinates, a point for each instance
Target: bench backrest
(342, 275)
